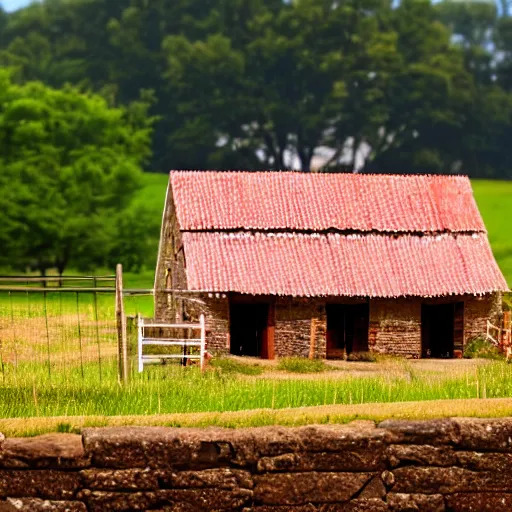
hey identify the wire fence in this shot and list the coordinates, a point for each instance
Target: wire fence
(57, 327)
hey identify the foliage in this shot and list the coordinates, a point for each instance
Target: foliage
(301, 365)
(480, 348)
(70, 165)
(408, 86)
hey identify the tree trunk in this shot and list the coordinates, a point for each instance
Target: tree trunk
(42, 271)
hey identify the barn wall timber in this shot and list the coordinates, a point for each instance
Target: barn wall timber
(442, 465)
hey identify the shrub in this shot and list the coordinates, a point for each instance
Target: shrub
(368, 357)
(301, 365)
(231, 366)
(480, 348)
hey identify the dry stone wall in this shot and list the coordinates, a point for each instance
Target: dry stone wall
(443, 465)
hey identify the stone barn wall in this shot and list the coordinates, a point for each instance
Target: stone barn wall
(301, 323)
(433, 466)
(395, 327)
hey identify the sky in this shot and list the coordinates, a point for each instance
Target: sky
(12, 5)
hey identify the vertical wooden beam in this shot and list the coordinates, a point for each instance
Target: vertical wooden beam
(122, 345)
(312, 341)
(203, 343)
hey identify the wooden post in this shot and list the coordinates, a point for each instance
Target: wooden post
(312, 341)
(203, 343)
(122, 345)
(140, 327)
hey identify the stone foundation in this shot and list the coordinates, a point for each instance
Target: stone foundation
(443, 465)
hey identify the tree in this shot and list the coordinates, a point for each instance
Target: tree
(70, 164)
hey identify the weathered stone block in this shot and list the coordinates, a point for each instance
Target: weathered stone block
(44, 483)
(447, 480)
(180, 499)
(501, 463)
(303, 488)
(485, 435)
(58, 451)
(103, 501)
(374, 489)
(362, 460)
(38, 505)
(432, 432)
(139, 447)
(424, 455)
(358, 505)
(342, 438)
(291, 508)
(222, 478)
(446, 456)
(479, 502)
(119, 479)
(211, 499)
(413, 502)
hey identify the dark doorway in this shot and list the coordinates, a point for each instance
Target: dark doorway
(437, 330)
(251, 330)
(347, 329)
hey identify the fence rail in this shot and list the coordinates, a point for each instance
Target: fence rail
(183, 343)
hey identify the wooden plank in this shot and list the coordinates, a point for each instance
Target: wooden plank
(312, 340)
(458, 326)
(175, 326)
(170, 356)
(172, 343)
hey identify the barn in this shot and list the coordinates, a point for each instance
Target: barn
(325, 265)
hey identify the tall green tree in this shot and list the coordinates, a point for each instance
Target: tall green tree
(70, 166)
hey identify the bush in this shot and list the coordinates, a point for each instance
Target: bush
(301, 365)
(480, 348)
(231, 366)
(368, 357)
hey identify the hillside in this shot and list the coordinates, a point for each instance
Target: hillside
(494, 199)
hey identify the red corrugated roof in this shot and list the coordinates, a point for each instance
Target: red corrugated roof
(337, 265)
(315, 202)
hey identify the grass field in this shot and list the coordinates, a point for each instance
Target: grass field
(32, 393)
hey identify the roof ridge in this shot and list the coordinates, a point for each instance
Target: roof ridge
(323, 174)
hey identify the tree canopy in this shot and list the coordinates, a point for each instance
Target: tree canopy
(93, 92)
(70, 165)
(372, 85)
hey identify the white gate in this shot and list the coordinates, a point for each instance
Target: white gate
(143, 341)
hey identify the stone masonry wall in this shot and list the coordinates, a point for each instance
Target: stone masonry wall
(477, 310)
(433, 466)
(297, 320)
(395, 326)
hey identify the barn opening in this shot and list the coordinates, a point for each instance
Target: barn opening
(441, 329)
(347, 329)
(251, 330)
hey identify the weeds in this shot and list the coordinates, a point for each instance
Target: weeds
(482, 349)
(301, 365)
(227, 365)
